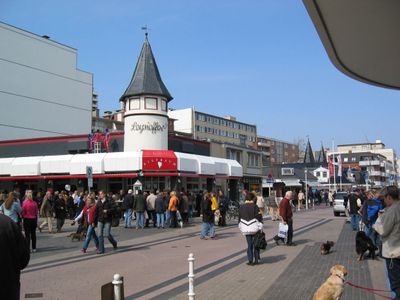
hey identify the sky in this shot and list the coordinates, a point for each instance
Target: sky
(258, 60)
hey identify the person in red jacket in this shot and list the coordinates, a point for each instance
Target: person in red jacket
(88, 213)
(286, 215)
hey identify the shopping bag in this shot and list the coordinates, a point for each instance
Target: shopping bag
(179, 218)
(282, 231)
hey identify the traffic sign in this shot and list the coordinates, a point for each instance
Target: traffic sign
(90, 182)
(89, 171)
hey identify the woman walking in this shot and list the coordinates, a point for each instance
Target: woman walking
(11, 207)
(47, 211)
(30, 215)
(250, 222)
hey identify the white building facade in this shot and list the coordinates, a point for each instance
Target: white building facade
(44, 92)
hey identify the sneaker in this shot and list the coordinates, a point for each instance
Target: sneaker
(291, 244)
(83, 250)
(99, 252)
(250, 263)
(204, 238)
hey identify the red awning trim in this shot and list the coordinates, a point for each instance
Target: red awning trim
(120, 175)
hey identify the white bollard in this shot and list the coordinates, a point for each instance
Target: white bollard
(117, 282)
(191, 293)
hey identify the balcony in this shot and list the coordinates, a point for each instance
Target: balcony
(369, 163)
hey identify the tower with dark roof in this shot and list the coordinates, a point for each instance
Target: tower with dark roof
(145, 103)
(309, 155)
(322, 155)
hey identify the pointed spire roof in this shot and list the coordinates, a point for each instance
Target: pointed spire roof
(322, 155)
(146, 79)
(309, 155)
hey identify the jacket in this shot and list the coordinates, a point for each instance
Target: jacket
(159, 205)
(150, 201)
(206, 211)
(128, 201)
(46, 210)
(104, 217)
(14, 256)
(29, 209)
(388, 226)
(173, 204)
(88, 213)
(60, 208)
(13, 212)
(285, 210)
(249, 211)
(139, 203)
(353, 205)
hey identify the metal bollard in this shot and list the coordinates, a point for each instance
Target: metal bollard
(191, 293)
(117, 282)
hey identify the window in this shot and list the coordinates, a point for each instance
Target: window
(353, 159)
(163, 105)
(134, 104)
(150, 103)
(318, 174)
(324, 174)
(345, 159)
(252, 160)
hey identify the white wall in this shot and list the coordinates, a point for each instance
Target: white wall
(184, 120)
(41, 91)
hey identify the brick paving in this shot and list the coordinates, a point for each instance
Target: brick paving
(154, 263)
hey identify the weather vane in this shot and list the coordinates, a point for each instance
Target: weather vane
(146, 30)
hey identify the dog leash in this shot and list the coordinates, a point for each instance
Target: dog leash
(370, 290)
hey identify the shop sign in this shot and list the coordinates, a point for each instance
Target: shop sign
(153, 127)
(159, 160)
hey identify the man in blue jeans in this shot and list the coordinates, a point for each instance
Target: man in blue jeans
(128, 205)
(354, 204)
(207, 228)
(103, 219)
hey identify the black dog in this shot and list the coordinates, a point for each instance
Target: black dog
(326, 247)
(364, 243)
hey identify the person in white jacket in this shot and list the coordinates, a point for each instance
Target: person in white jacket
(388, 226)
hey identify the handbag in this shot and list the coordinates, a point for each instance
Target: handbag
(283, 230)
(250, 227)
(259, 241)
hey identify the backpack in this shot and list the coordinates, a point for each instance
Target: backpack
(372, 210)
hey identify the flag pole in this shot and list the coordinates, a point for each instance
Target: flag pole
(333, 162)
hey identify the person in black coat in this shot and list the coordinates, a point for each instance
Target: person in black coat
(102, 220)
(60, 210)
(207, 228)
(247, 212)
(14, 257)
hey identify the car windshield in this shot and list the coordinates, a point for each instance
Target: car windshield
(340, 196)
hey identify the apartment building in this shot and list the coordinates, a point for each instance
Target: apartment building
(229, 138)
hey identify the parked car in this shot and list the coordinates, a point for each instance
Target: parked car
(338, 203)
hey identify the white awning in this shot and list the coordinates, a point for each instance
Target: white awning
(187, 163)
(122, 161)
(221, 166)
(26, 166)
(6, 165)
(292, 182)
(79, 162)
(235, 169)
(206, 165)
(55, 164)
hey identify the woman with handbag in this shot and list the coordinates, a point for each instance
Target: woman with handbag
(250, 223)
(30, 213)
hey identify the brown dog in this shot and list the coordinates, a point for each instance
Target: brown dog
(77, 236)
(332, 288)
(326, 247)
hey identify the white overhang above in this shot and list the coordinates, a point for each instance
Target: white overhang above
(6, 165)
(122, 161)
(79, 162)
(206, 165)
(187, 163)
(55, 164)
(26, 166)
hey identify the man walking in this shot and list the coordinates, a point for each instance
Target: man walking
(354, 203)
(150, 205)
(139, 206)
(286, 214)
(103, 219)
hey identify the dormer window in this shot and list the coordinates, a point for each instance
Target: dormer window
(134, 104)
(150, 103)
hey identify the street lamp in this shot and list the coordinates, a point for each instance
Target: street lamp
(306, 188)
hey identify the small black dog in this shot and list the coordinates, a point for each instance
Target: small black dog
(326, 247)
(364, 243)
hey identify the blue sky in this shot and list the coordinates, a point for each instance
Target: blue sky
(261, 61)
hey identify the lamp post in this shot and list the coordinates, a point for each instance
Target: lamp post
(306, 188)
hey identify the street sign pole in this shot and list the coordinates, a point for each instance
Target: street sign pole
(89, 175)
